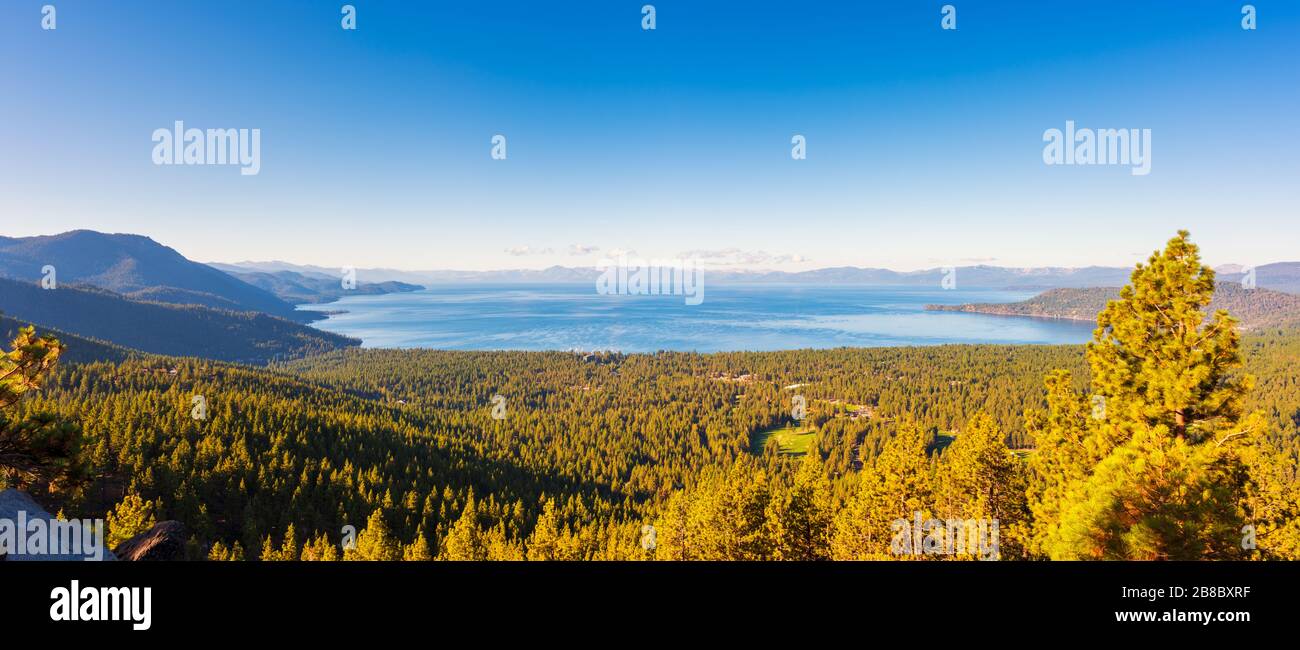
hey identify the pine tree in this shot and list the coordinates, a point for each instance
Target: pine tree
(1154, 470)
(320, 549)
(895, 487)
(670, 529)
(978, 478)
(289, 547)
(418, 550)
(375, 543)
(221, 553)
(543, 543)
(129, 518)
(799, 516)
(39, 449)
(269, 552)
(501, 548)
(465, 541)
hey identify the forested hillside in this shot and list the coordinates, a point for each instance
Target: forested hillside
(1255, 308)
(302, 289)
(135, 266)
(79, 349)
(555, 455)
(608, 438)
(160, 328)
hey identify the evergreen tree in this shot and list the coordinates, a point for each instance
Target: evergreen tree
(978, 478)
(39, 449)
(1155, 469)
(896, 486)
(221, 553)
(320, 549)
(418, 550)
(464, 542)
(543, 543)
(375, 543)
(130, 518)
(799, 516)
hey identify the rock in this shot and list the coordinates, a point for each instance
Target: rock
(17, 513)
(165, 541)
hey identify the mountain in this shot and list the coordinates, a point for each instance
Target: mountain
(1281, 276)
(1256, 308)
(380, 275)
(136, 267)
(160, 328)
(1284, 276)
(301, 288)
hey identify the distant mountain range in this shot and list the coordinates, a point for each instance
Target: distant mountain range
(118, 291)
(160, 328)
(1282, 276)
(1256, 309)
(311, 288)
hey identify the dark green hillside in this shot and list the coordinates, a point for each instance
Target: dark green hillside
(80, 349)
(1257, 308)
(127, 264)
(301, 289)
(175, 330)
(328, 440)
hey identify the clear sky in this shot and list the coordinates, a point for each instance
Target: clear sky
(924, 146)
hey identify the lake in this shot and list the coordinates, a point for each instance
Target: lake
(731, 317)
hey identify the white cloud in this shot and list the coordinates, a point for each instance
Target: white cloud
(520, 251)
(738, 257)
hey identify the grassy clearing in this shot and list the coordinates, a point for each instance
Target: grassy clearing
(794, 439)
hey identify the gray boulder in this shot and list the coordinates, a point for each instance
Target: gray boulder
(165, 541)
(18, 512)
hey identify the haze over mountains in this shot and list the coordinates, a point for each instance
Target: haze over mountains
(1282, 276)
(1255, 309)
(312, 288)
(130, 291)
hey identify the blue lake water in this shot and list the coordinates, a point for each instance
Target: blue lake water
(731, 317)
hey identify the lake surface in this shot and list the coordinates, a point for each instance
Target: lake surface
(731, 317)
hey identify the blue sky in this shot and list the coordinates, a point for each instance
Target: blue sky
(924, 145)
